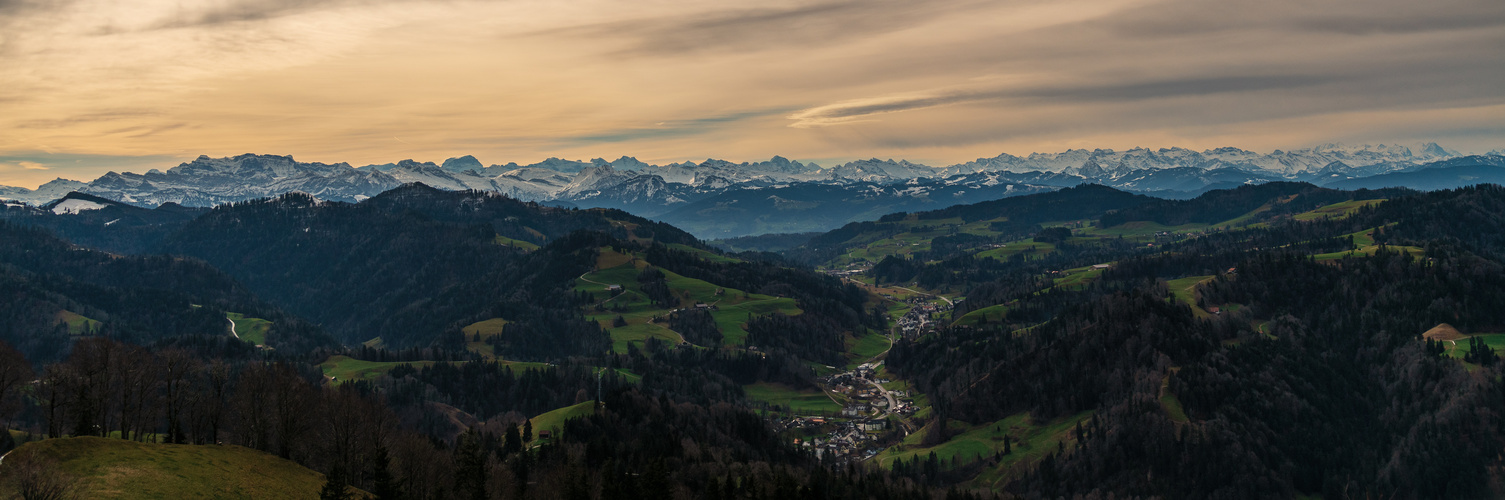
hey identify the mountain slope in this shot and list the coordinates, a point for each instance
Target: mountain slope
(819, 207)
(678, 189)
(101, 223)
(56, 292)
(1430, 179)
(416, 264)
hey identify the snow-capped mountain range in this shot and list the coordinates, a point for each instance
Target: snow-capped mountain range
(652, 190)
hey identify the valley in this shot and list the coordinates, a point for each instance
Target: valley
(1025, 344)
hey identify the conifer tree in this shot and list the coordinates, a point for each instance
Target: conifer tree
(336, 486)
(384, 486)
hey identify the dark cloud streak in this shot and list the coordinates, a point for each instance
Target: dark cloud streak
(1126, 92)
(673, 128)
(1177, 18)
(820, 24)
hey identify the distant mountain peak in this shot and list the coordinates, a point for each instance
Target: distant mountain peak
(462, 164)
(75, 202)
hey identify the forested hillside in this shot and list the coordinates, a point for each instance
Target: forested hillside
(1266, 341)
(56, 293)
(416, 264)
(103, 224)
(1279, 360)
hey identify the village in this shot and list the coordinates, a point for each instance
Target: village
(872, 416)
(917, 321)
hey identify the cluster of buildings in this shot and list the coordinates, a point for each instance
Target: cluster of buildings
(916, 322)
(851, 269)
(856, 432)
(855, 439)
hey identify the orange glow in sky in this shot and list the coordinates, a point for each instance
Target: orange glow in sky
(88, 86)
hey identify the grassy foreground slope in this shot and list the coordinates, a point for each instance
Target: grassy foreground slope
(116, 468)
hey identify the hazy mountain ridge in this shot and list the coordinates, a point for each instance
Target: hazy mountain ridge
(659, 190)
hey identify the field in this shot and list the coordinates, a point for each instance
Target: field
(115, 468)
(731, 319)
(1493, 340)
(1444, 332)
(1170, 403)
(732, 306)
(704, 254)
(1141, 229)
(862, 349)
(639, 333)
(525, 246)
(21, 437)
(812, 402)
(485, 329)
(1031, 441)
(1337, 210)
(1362, 238)
(1029, 248)
(1184, 289)
(253, 330)
(990, 314)
(874, 247)
(629, 376)
(342, 368)
(77, 324)
(1078, 277)
(554, 419)
(1369, 251)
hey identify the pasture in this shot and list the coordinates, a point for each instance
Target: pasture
(483, 330)
(990, 314)
(1031, 441)
(782, 397)
(343, 368)
(1185, 290)
(253, 330)
(1336, 210)
(117, 468)
(732, 307)
(77, 324)
(554, 419)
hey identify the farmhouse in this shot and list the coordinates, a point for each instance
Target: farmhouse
(613, 288)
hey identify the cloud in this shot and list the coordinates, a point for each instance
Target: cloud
(764, 28)
(336, 80)
(1177, 18)
(667, 129)
(86, 118)
(31, 169)
(255, 10)
(855, 110)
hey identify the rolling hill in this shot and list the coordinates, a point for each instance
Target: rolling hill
(121, 469)
(56, 292)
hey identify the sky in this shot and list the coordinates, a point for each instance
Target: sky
(88, 86)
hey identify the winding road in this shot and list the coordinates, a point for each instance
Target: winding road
(232, 328)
